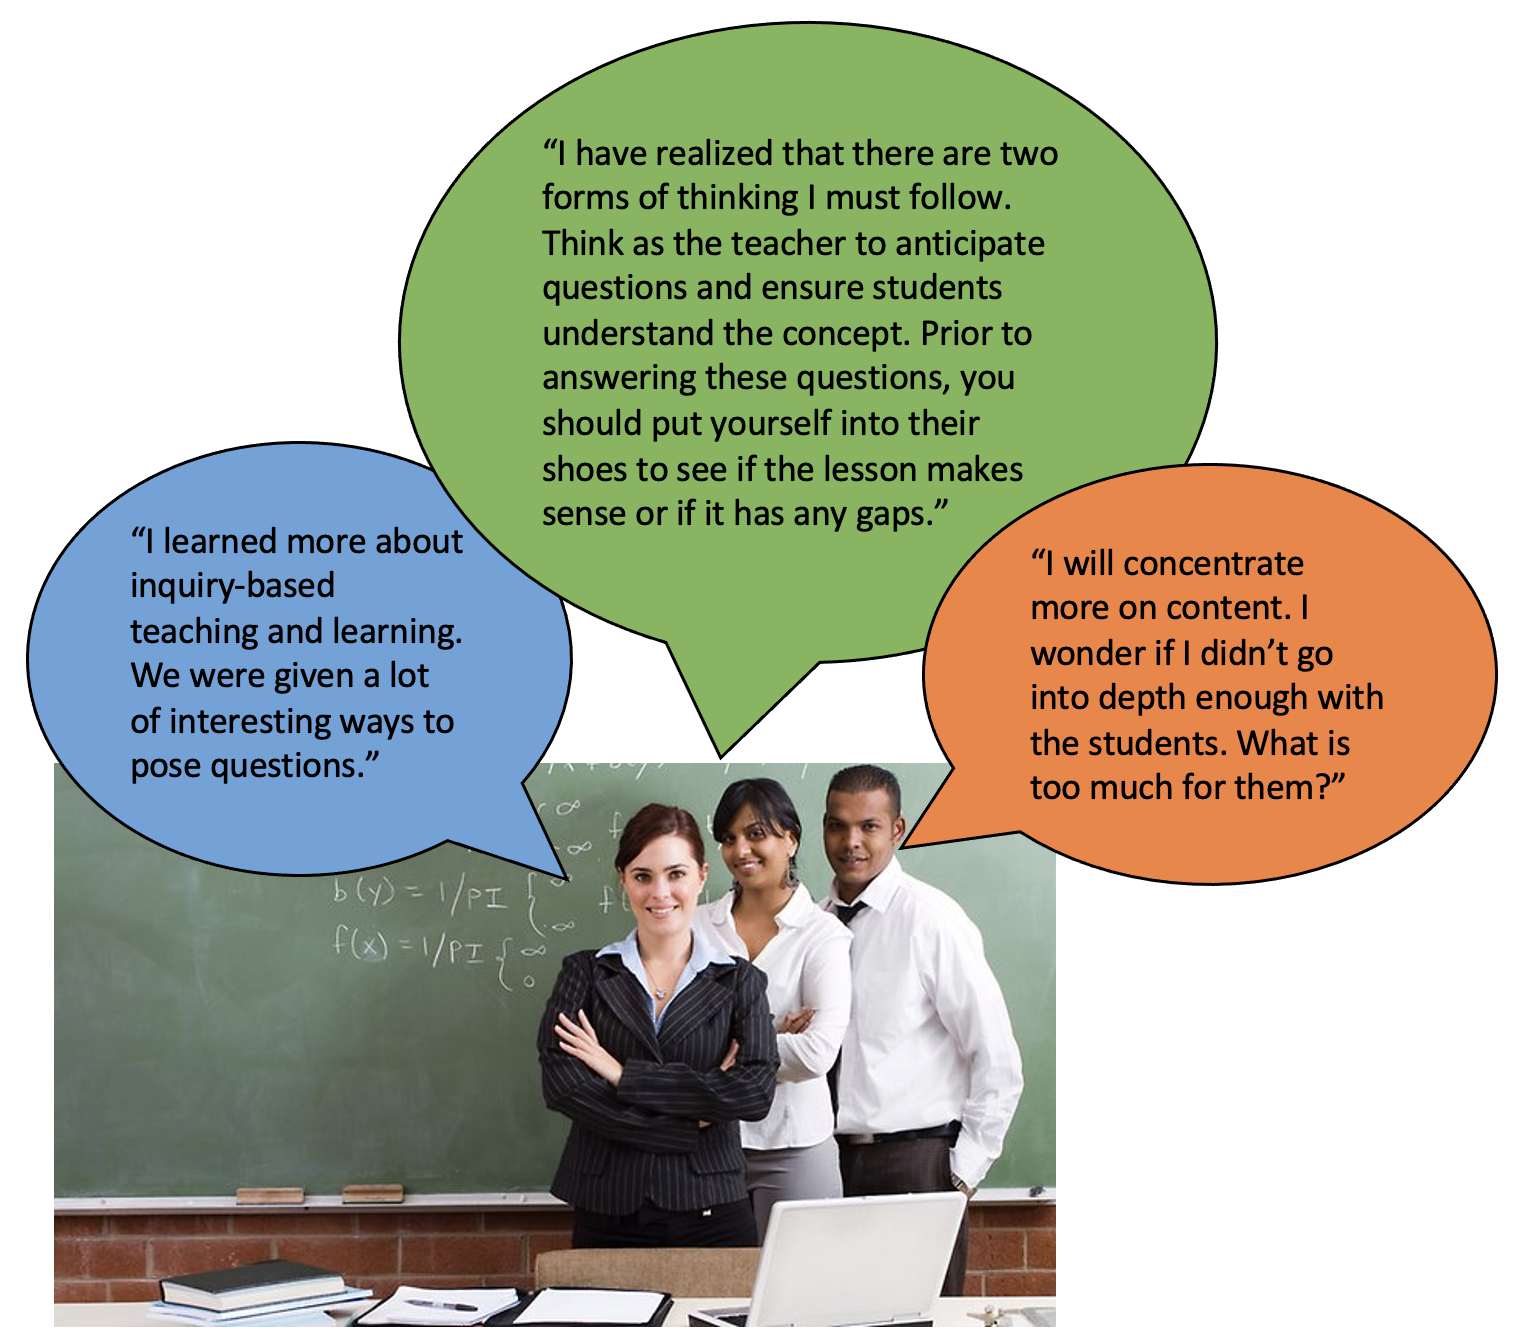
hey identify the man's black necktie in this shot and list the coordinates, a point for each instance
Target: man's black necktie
(845, 914)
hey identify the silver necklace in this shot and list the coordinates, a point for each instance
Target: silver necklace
(660, 991)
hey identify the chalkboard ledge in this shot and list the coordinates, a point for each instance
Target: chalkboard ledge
(327, 1203)
(527, 1199)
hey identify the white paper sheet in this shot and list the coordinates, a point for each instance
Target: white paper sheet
(590, 1306)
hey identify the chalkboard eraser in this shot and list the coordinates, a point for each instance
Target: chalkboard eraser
(379, 1194)
(270, 1194)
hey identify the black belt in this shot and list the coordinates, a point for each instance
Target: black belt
(949, 1131)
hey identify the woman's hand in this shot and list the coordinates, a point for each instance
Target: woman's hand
(579, 1039)
(794, 1022)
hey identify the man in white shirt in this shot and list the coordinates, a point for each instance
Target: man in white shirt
(929, 1074)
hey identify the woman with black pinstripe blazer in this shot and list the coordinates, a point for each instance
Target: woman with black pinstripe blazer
(655, 1048)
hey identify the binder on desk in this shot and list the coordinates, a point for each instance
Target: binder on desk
(462, 1307)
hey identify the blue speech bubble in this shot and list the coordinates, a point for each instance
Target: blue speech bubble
(298, 659)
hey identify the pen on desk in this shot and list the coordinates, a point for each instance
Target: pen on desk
(442, 1306)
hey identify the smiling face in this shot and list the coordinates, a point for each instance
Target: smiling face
(860, 836)
(663, 882)
(758, 858)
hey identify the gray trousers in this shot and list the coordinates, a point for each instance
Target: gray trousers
(777, 1174)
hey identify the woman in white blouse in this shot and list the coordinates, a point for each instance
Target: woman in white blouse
(769, 918)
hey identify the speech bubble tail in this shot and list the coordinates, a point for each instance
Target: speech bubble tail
(509, 828)
(961, 810)
(734, 689)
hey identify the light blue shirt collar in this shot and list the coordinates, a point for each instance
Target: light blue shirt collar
(704, 953)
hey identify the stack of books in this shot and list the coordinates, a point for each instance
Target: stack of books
(272, 1292)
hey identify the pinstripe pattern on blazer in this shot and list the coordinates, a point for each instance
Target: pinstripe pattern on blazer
(640, 1139)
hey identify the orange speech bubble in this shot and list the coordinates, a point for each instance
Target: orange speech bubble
(1205, 674)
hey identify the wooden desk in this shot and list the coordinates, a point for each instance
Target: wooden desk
(952, 1311)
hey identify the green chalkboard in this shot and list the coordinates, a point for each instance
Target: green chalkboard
(216, 1029)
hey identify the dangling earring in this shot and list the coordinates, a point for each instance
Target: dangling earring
(791, 879)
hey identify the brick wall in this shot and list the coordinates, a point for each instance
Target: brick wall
(119, 1257)
(1012, 1251)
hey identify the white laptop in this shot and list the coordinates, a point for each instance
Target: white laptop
(874, 1260)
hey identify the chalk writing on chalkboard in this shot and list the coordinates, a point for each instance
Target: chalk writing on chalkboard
(393, 937)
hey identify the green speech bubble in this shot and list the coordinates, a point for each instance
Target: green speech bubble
(977, 297)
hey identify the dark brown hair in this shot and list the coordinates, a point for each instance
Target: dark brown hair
(654, 821)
